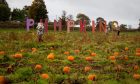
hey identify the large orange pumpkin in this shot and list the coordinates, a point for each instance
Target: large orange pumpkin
(137, 50)
(18, 56)
(66, 69)
(51, 56)
(38, 67)
(93, 54)
(70, 58)
(136, 76)
(88, 58)
(137, 54)
(66, 53)
(45, 76)
(92, 77)
(87, 69)
(112, 58)
(2, 80)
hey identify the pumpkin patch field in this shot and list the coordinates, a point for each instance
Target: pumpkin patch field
(69, 58)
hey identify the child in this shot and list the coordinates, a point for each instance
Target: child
(40, 31)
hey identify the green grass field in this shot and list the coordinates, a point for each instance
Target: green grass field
(107, 70)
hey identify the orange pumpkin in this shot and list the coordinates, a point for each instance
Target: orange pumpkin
(88, 58)
(51, 56)
(76, 51)
(92, 77)
(38, 67)
(138, 50)
(66, 69)
(34, 50)
(126, 48)
(70, 58)
(137, 54)
(45, 76)
(22, 50)
(66, 53)
(87, 68)
(136, 76)
(2, 80)
(116, 53)
(112, 58)
(93, 54)
(125, 57)
(136, 67)
(18, 56)
(2, 52)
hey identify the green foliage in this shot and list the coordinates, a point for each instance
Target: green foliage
(82, 17)
(38, 10)
(4, 12)
(23, 70)
(18, 15)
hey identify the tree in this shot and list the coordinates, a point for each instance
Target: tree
(81, 16)
(123, 27)
(70, 17)
(26, 10)
(4, 11)
(63, 18)
(99, 19)
(38, 10)
(139, 25)
(3, 2)
(18, 14)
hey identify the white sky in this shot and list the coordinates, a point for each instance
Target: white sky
(124, 11)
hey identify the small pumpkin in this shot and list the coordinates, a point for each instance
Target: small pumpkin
(136, 67)
(112, 58)
(125, 57)
(66, 53)
(116, 53)
(87, 69)
(51, 56)
(70, 58)
(22, 50)
(92, 77)
(2, 52)
(66, 69)
(88, 58)
(44, 76)
(76, 51)
(38, 67)
(126, 49)
(18, 56)
(34, 50)
(93, 54)
(136, 76)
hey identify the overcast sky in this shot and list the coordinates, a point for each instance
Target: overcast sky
(124, 11)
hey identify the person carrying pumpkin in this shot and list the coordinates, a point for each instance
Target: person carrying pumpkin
(40, 31)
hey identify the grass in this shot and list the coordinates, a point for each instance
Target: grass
(21, 71)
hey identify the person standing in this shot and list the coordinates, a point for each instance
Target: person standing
(40, 31)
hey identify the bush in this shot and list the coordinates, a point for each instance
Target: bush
(12, 24)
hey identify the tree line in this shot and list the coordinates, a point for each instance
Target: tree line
(38, 11)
